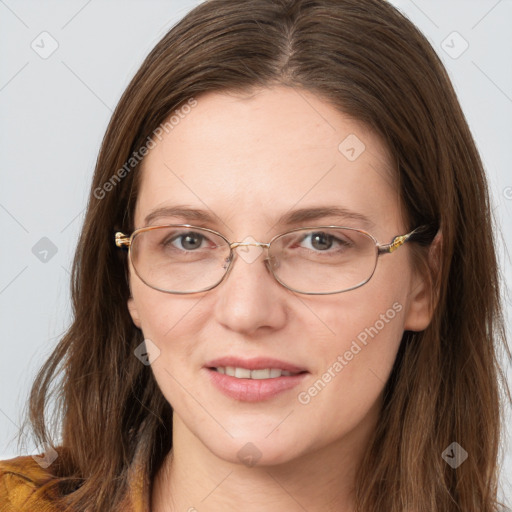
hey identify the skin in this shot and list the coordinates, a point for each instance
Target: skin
(251, 158)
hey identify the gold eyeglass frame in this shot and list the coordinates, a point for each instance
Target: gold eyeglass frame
(125, 241)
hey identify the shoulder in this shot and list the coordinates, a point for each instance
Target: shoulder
(23, 485)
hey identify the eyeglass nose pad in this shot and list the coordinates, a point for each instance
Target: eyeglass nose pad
(227, 261)
(272, 263)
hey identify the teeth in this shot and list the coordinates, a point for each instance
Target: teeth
(264, 374)
(242, 373)
(245, 373)
(275, 372)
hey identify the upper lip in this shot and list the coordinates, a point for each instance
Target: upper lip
(256, 363)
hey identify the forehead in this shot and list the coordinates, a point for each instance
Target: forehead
(263, 152)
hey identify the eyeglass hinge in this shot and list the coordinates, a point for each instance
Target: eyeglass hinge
(122, 240)
(397, 242)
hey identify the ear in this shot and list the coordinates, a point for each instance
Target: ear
(424, 292)
(134, 313)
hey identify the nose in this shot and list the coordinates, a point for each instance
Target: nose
(249, 299)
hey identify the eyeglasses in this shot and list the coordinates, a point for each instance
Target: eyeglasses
(322, 260)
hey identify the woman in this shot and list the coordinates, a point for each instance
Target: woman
(285, 290)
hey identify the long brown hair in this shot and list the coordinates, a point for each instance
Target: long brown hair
(371, 63)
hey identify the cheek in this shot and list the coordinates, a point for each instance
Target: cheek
(364, 330)
(173, 323)
(368, 334)
(354, 366)
(160, 314)
(375, 310)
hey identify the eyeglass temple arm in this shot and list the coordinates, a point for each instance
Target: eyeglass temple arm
(399, 240)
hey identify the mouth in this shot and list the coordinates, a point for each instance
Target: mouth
(253, 380)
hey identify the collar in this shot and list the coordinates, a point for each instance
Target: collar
(23, 483)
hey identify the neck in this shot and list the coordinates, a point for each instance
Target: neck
(192, 478)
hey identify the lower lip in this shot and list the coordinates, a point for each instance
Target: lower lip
(253, 390)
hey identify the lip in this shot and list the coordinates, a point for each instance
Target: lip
(253, 390)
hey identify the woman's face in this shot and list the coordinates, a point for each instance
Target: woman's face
(246, 161)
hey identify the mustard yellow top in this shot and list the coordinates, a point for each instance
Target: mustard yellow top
(23, 479)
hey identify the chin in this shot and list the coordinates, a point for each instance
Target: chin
(253, 451)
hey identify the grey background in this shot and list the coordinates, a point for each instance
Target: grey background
(54, 112)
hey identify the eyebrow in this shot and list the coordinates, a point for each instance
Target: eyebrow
(287, 219)
(320, 212)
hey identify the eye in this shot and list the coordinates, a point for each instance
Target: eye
(186, 241)
(323, 241)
